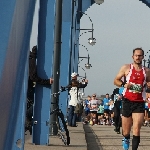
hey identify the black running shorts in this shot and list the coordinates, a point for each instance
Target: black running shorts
(129, 107)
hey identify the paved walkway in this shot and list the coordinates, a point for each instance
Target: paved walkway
(77, 141)
(86, 137)
(104, 138)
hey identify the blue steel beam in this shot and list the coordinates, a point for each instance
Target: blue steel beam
(75, 34)
(147, 2)
(76, 15)
(72, 20)
(15, 28)
(70, 35)
(73, 37)
(44, 70)
(76, 47)
(65, 52)
(81, 6)
(85, 5)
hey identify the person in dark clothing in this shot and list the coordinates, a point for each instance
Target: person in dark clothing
(33, 76)
(32, 80)
(117, 113)
(147, 105)
(75, 101)
(147, 86)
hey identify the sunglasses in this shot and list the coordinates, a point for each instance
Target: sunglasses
(94, 96)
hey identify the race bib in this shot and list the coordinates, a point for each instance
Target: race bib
(136, 88)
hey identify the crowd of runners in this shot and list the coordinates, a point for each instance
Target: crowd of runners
(108, 111)
(105, 111)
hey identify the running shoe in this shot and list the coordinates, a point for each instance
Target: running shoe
(125, 144)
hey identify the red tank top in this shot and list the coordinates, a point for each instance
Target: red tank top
(138, 79)
(148, 103)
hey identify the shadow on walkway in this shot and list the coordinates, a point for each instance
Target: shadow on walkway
(91, 139)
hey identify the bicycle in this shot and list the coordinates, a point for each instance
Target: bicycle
(59, 114)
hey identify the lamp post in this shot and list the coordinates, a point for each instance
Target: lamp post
(84, 72)
(91, 40)
(146, 61)
(56, 65)
(83, 76)
(88, 65)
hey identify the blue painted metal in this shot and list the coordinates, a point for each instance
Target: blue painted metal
(74, 50)
(21, 114)
(44, 69)
(65, 53)
(92, 2)
(147, 2)
(85, 5)
(5, 27)
(76, 47)
(15, 28)
(79, 14)
(71, 62)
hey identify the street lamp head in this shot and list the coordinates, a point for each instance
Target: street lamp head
(88, 66)
(99, 1)
(92, 41)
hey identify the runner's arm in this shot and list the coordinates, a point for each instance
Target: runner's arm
(117, 81)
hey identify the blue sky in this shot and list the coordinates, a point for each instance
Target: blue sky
(119, 27)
